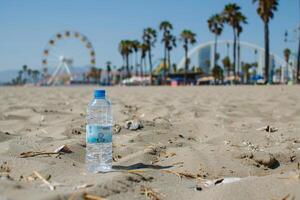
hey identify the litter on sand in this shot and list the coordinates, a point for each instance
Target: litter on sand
(269, 129)
(134, 124)
(59, 150)
(221, 181)
(63, 149)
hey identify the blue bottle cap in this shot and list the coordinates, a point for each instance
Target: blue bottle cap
(99, 94)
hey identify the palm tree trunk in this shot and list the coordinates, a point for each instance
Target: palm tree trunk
(227, 49)
(136, 63)
(141, 67)
(234, 52)
(238, 56)
(150, 63)
(186, 64)
(266, 27)
(165, 66)
(127, 67)
(215, 51)
(286, 71)
(169, 61)
(298, 63)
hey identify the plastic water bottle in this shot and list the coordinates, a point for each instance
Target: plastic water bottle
(99, 134)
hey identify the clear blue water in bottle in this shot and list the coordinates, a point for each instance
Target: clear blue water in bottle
(99, 134)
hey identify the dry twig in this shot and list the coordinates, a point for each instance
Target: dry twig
(36, 153)
(83, 186)
(59, 150)
(87, 196)
(51, 187)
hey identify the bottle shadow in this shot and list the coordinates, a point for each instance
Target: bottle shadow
(140, 166)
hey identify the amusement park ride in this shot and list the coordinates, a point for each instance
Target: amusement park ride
(62, 59)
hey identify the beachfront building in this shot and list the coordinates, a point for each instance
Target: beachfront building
(203, 57)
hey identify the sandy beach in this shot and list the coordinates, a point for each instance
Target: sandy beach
(196, 143)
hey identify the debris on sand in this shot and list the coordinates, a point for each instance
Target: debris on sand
(292, 158)
(5, 168)
(59, 150)
(83, 186)
(50, 186)
(116, 158)
(170, 154)
(133, 125)
(31, 177)
(286, 197)
(211, 183)
(265, 159)
(251, 146)
(157, 150)
(117, 129)
(149, 192)
(35, 153)
(76, 131)
(268, 128)
(87, 196)
(63, 149)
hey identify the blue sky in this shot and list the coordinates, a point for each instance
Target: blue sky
(27, 25)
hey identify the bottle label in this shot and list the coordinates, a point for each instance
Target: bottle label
(98, 134)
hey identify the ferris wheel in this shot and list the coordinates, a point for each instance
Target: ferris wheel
(65, 52)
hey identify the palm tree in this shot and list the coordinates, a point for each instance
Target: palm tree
(265, 9)
(125, 49)
(215, 25)
(20, 77)
(231, 15)
(171, 45)
(241, 19)
(227, 65)
(187, 37)
(166, 28)
(245, 69)
(135, 48)
(93, 73)
(217, 73)
(144, 48)
(35, 74)
(24, 68)
(149, 39)
(99, 75)
(45, 75)
(286, 53)
(108, 70)
(29, 73)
